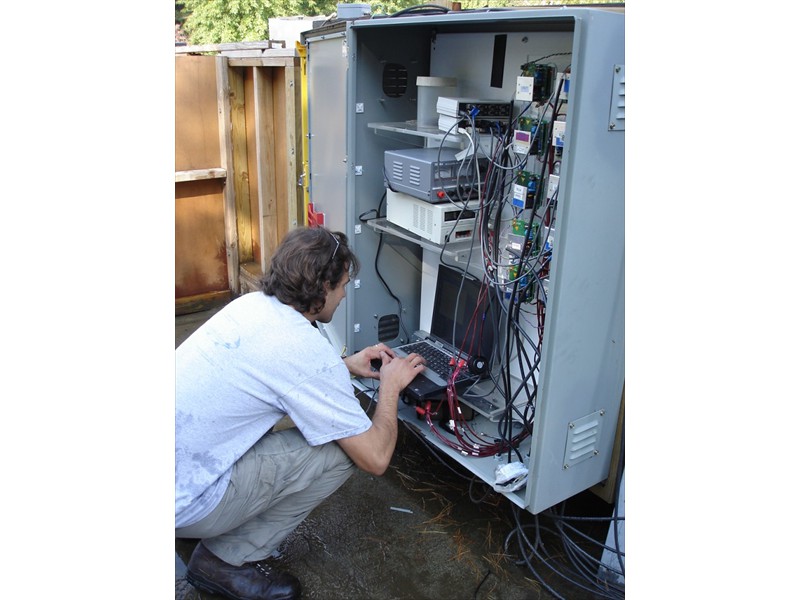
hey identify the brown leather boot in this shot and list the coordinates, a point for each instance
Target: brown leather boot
(251, 581)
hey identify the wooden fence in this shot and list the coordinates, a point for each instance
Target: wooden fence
(238, 159)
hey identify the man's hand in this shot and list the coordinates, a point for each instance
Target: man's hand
(359, 363)
(372, 450)
(398, 372)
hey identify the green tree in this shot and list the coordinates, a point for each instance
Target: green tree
(220, 21)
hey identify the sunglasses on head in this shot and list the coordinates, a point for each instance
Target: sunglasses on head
(335, 250)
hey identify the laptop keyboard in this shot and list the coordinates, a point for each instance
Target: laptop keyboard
(435, 359)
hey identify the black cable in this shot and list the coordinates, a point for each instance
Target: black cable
(520, 536)
(372, 402)
(425, 9)
(565, 537)
(513, 330)
(485, 577)
(585, 566)
(488, 493)
(433, 448)
(539, 550)
(363, 219)
(386, 285)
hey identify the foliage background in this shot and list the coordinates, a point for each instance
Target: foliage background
(221, 21)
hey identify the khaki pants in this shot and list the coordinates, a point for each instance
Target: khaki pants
(273, 488)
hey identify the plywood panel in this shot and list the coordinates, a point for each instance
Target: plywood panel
(196, 118)
(200, 257)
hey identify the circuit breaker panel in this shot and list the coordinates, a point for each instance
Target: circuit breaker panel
(492, 143)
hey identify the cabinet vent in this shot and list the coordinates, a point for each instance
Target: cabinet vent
(616, 115)
(583, 438)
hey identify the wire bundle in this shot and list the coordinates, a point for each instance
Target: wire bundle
(581, 569)
(584, 569)
(515, 280)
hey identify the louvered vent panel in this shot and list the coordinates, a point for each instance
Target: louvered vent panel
(414, 175)
(616, 115)
(583, 438)
(388, 327)
(422, 219)
(397, 171)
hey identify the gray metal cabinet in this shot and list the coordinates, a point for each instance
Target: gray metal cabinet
(362, 102)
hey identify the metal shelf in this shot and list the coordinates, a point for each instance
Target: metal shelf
(457, 251)
(482, 467)
(410, 128)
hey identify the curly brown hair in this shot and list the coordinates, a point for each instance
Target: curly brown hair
(306, 259)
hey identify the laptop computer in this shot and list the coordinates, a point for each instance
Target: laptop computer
(461, 328)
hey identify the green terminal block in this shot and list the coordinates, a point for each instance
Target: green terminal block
(527, 123)
(539, 141)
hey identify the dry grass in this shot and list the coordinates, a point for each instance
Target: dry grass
(442, 494)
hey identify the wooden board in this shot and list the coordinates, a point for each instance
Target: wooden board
(203, 302)
(196, 120)
(266, 166)
(240, 171)
(200, 257)
(252, 165)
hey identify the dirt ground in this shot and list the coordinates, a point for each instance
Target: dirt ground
(425, 530)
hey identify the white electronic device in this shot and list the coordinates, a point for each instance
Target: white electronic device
(559, 133)
(521, 143)
(433, 222)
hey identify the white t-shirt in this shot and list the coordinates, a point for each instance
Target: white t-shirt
(253, 362)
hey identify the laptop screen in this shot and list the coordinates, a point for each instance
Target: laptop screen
(455, 304)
